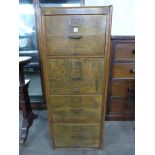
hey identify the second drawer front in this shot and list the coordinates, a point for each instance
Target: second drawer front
(123, 88)
(75, 76)
(76, 135)
(124, 70)
(76, 109)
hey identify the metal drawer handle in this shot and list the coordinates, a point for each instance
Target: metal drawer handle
(131, 89)
(77, 129)
(79, 137)
(77, 53)
(75, 36)
(76, 91)
(133, 51)
(76, 111)
(132, 70)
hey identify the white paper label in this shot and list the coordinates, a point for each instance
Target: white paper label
(75, 29)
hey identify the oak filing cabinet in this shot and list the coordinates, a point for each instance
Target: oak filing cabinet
(74, 45)
(121, 100)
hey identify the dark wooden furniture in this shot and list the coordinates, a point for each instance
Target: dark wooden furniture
(28, 115)
(121, 100)
(34, 64)
(74, 45)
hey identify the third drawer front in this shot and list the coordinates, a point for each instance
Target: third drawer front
(76, 109)
(123, 88)
(81, 135)
(123, 70)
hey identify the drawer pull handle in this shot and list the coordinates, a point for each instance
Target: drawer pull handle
(132, 70)
(79, 137)
(75, 36)
(129, 105)
(77, 53)
(76, 129)
(76, 91)
(131, 89)
(76, 111)
(133, 51)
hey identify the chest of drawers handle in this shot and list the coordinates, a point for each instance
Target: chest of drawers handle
(131, 89)
(129, 105)
(133, 51)
(132, 70)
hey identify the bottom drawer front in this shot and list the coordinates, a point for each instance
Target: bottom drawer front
(77, 135)
(122, 105)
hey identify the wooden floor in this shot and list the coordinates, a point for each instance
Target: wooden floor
(119, 139)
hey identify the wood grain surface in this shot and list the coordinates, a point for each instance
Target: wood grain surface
(124, 51)
(77, 135)
(75, 35)
(75, 76)
(124, 70)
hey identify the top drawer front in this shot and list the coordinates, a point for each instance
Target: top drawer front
(124, 51)
(75, 76)
(75, 34)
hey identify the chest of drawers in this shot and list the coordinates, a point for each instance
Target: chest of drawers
(75, 51)
(121, 98)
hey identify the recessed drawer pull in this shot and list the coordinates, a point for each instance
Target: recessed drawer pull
(76, 91)
(75, 36)
(76, 111)
(77, 53)
(131, 89)
(79, 137)
(132, 70)
(77, 129)
(133, 51)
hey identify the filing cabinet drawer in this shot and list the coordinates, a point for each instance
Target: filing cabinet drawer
(76, 109)
(123, 70)
(124, 51)
(76, 135)
(78, 101)
(76, 115)
(74, 35)
(120, 105)
(75, 76)
(123, 88)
